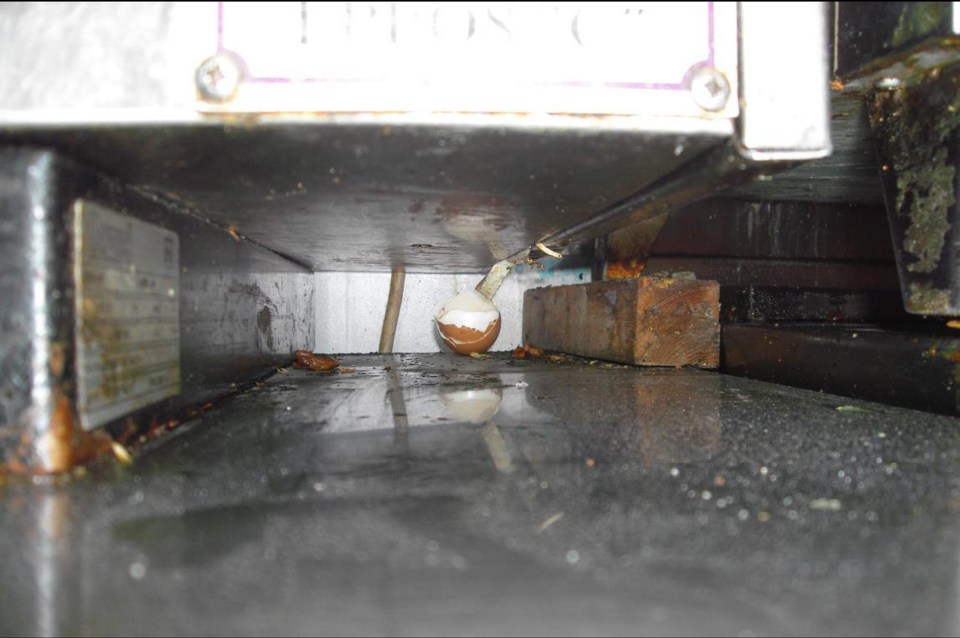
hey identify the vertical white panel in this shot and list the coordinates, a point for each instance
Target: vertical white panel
(350, 307)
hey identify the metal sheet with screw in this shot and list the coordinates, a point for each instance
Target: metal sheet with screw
(602, 58)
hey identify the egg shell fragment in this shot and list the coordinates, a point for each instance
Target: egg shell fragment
(469, 323)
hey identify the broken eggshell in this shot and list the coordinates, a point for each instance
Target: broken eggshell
(469, 323)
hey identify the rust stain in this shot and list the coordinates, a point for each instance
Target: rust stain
(58, 441)
(625, 269)
(17, 467)
(914, 125)
(65, 445)
(58, 358)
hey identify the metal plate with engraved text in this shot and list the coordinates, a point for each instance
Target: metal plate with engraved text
(128, 324)
(599, 57)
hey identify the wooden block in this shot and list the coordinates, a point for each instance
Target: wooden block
(645, 321)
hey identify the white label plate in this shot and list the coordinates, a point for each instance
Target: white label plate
(568, 57)
(128, 313)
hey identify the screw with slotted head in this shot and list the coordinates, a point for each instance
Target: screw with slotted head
(709, 89)
(219, 77)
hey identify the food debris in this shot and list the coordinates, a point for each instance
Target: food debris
(954, 323)
(589, 462)
(347, 370)
(829, 504)
(836, 85)
(550, 521)
(121, 453)
(477, 355)
(763, 517)
(854, 409)
(719, 481)
(526, 350)
(306, 360)
(233, 232)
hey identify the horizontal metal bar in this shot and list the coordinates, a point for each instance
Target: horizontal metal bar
(712, 172)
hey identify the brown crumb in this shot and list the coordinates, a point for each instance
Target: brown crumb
(836, 85)
(527, 350)
(306, 360)
(347, 370)
(233, 232)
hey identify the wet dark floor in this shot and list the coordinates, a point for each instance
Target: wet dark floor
(441, 495)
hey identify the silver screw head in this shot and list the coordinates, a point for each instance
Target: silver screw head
(709, 89)
(219, 77)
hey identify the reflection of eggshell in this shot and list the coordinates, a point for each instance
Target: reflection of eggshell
(473, 406)
(469, 323)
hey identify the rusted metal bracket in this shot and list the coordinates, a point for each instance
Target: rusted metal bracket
(916, 121)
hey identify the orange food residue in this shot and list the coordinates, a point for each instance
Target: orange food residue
(526, 350)
(306, 360)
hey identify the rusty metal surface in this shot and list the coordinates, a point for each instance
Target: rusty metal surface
(875, 42)
(38, 428)
(871, 34)
(593, 501)
(917, 128)
(243, 310)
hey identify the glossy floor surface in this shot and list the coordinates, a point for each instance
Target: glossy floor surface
(438, 495)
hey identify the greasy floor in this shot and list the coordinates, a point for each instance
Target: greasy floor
(434, 494)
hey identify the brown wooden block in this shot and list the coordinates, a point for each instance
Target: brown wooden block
(645, 321)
